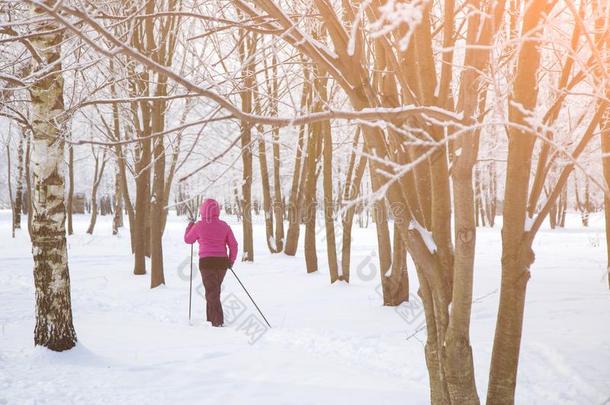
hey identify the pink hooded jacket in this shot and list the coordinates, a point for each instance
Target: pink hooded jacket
(212, 234)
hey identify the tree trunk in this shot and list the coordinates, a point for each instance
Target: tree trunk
(54, 328)
(247, 48)
(294, 209)
(120, 161)
(604, 125)
(397, 283)
(516, 256)
(587, 205)
(479, 215)
(267, 203)
(352, 188)
(28, 180)
(294, 206)
(141, 237)
(97, 178)
(563, 207)
(493, 197)
(19, 190)
(553, 213)
(10, 188)
(157, 276)
(157, 204)
(329, 215)
(458, 365)
(70, 188)
(384, 245)
(278, 206)
(237, 203)
(246, 191)
(142, 206)
(120, 182)
(605, 136)
(309, 209)
(117, 220)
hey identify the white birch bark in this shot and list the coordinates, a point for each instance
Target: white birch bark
(54, 328)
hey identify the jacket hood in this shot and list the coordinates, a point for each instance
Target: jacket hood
(210, 209)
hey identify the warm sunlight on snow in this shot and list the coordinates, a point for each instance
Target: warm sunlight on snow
(305, 202)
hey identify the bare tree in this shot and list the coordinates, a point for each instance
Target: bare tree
(19, 188)
(100, 159)
(520, 226)
(329, 213)
(54, 328)
(296, 189)
(314, 143)
(10, 188)
(70, 197)
(351, 191)
(247, 49)
(605, 136)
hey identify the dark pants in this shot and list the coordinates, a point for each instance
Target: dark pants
(213, 271)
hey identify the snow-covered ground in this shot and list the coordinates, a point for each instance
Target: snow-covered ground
(329, 344)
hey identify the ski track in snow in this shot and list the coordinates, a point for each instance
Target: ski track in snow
(328, 343)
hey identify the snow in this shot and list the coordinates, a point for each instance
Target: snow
(393, 14)
(328, 343)
(272, 242)
(425, 234)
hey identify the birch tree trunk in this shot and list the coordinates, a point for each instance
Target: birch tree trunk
(10, 188)
(19, 188)
(54, 328)
(492, 196)
(70, 188)
(278, 205)
(117, 220)
(28, 180)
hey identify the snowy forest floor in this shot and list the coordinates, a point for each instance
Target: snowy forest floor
(328, 343)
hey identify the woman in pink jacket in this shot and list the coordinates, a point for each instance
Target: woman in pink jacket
(214, 236)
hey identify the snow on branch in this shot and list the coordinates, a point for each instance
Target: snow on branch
(369, 114)
(426, 235)
(394, 14)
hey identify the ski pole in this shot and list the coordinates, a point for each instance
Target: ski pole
(191, 284)
(190, 210)
(249, 296)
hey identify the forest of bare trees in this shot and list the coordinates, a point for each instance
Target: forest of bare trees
(431, 118)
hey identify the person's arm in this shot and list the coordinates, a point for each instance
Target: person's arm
(191, 234)
(232, 243)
